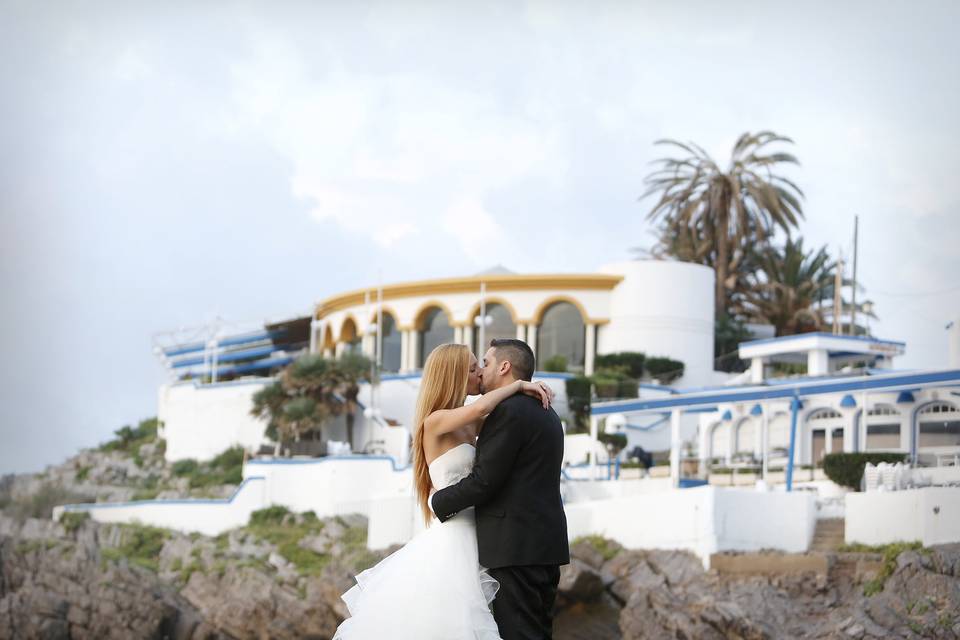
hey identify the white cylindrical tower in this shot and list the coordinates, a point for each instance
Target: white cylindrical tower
(663, 309)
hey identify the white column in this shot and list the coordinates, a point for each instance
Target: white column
(522, 332)
(339, 349)
(404, 351)
(458, 335)
(756, 370)
(532, 338)
(594, 431)
(369, 345)
(316, 329)
(414, 341)
(828, 440)
(731, 440)
(590, 337)
(704, 449)
(675, 447)
(468, 340)
(764, 440)
(818, 364)
(328, 353)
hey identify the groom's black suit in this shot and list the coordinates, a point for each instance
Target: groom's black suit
(521, 525)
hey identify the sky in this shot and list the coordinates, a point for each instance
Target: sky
(166, 164)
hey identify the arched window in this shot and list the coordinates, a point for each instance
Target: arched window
(435, 330)
(390, 337)
(348, 335)
(745, 436)
(821, 422)
(720, 439)
(939, 425)
(883, 428)
(500, 325)
(562, 332)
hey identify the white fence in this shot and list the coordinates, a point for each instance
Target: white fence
(930, 515)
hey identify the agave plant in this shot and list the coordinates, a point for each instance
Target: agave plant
(718, 216)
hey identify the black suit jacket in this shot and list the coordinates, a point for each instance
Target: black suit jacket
(515, 487)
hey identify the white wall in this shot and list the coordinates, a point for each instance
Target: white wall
(200, 421)
(930, 515)
(209, 517)
(703, 520)
(663, 308)
(332, 485)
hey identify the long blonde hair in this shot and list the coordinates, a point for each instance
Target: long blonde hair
(443, 386)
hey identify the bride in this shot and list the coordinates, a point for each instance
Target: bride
(434, 587)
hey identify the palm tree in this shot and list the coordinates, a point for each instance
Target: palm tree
(717, 217)
(787, 289)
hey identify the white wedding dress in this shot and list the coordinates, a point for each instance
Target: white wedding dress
(433, 587)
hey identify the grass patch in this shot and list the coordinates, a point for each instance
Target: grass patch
(226, 468)
(606, 548)
(140, 545)
(40, 504)
(129, 439)
(268, 524)
(83, 473)
(73, 520)
(890, 553)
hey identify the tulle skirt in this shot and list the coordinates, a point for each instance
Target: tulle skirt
(432, 588)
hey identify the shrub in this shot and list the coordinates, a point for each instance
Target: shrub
(578, 399)
(130, 439)
(73, 520)
(141, 546)
(628, 362)
(664, 369)
(616, 440)
(557, 363)
(846, 469)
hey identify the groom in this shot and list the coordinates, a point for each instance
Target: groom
(515, 486)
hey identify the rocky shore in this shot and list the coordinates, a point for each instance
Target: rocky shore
(281, 576)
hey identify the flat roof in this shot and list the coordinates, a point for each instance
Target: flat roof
(832, 343)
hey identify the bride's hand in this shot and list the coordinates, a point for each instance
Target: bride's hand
(539, 390)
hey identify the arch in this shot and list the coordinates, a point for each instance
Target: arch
(562, 332)
(931, 412)
(552, 300)
(818, 425)
(426, 308)
(387, 310)
(328, 341)
(882, 409)
(719, 439)
(744, 442)
(503, 326)
(883, 425)
(433, 329)
(475, 309)
(349, 329)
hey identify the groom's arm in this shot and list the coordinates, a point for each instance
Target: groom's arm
(501, 439)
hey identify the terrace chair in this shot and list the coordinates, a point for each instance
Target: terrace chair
(871, 477)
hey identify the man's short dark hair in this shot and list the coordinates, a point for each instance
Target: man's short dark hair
(518, 353)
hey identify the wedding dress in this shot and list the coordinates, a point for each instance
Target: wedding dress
(433, 587)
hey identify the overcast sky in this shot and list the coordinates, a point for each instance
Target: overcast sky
(163, 164)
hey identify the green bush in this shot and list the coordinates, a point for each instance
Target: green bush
(141, 545)
(628, 362)
(73, 520)
(664, 369)
(846, 469)
(616, 440)
(129, 440)
(226, 468)
(578, 399)
(557, 363)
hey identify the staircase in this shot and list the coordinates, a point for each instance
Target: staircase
(829, 534)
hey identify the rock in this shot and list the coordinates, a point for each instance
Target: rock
(579, 582)
(855, 631)
(586, 552)
(631, 573)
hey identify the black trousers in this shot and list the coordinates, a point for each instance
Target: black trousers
(523, 607)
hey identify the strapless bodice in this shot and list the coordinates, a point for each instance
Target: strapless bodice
(452, 466)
